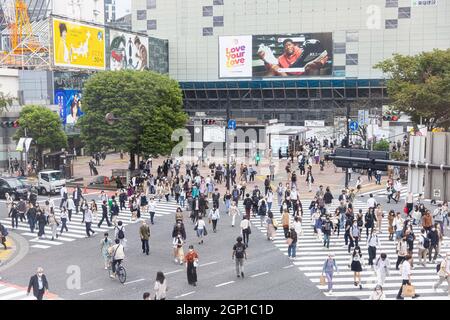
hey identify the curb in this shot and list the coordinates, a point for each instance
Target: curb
(21, 250)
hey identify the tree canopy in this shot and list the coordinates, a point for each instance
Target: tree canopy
(44, 126)
(149, 107)
(419, 86)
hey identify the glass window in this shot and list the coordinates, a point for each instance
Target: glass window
(151, 24)
(44, 176)
(55, 176)
(151, 4)
(404, 13)
(218, 21)
(218, 2)
(339, 48)
(351, 59)
(207, 11)
(391, 3)
(142, 14)
(352, 36)
(207, 31)
(391, 24)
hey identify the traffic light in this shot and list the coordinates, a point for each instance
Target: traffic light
(209, 122)
(391, 116)
(10, 124)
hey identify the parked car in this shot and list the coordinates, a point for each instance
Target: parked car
(14, 187)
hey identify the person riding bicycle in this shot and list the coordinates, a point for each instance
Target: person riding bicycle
(117, 255)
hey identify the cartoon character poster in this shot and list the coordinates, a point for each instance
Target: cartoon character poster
(128, 51)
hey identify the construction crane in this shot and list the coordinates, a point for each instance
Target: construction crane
(21, 37)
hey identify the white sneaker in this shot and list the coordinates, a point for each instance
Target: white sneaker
(433, 287)
(330, 292)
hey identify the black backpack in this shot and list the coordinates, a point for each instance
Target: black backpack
(240, 250)
(438, 267)
(426, 242)
(120, 234)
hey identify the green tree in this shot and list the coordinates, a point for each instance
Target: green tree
(5, 101)
(420, 86)
(44, 126)
(149, 107)
(382, 145)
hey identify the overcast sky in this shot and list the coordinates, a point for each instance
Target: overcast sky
(123, 7)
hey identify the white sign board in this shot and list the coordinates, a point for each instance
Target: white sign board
(314, 123)
(213, 134)
(424, 3)
(235, 57)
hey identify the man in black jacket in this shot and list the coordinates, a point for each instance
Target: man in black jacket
(77, 197)
(39, 284)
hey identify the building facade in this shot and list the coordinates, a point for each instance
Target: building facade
(363, 33)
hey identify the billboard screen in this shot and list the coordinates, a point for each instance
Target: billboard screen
(69, 103)
(213, 134)
(235, 57)
(77, 45)
(127, 51)
(292, 55)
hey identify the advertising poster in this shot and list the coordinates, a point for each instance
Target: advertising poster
(235, 57)
(69, 103)
(128, 51)
(78, 45)
(293, 55)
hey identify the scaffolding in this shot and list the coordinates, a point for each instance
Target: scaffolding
(24, 34)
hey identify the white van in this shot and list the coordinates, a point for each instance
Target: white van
(50, 181)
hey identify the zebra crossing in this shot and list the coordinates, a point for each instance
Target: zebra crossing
(13, 292)
(77, 229)
(311, 255)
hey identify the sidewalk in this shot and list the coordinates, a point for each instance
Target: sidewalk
(331, 177)
(6, 255)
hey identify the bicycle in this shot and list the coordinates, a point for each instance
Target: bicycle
(121, 273)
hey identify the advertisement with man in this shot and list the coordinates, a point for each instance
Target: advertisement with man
(293, 55)
(235, 56)
(78, 45)
(128, 51)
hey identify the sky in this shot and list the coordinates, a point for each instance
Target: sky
(123, 7)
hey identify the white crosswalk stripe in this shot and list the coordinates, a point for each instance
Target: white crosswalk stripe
(403, 194)
(12, 292)
(311, 255)
(77, 229)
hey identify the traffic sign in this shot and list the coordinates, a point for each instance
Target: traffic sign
(231, 124)
(353, 126)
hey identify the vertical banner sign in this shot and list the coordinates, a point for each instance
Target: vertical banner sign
(235, 57)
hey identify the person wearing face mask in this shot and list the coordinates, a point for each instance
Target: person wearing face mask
(105, 244)
(373, 241)
(354, 234)
(382, 267)
(378, 293)
(191, 260)
(434, 243)
(234, 210)
(444, 273)
(39, 284)
(328, 268)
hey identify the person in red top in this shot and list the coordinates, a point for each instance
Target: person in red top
(291, 58)
(191, 259)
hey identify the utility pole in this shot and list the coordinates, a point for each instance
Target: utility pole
(227, 143)
(347, 141)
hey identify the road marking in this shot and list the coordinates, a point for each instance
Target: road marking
(287, 267)
(40, 246)
(139, 280)
(179, 270)
(184, 295)
(259, 274)
(224, 284)
(207, 264)
(98, 290)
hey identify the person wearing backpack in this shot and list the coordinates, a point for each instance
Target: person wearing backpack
(443, 273)
(239, 253)
(3, 234)
(438, 217)
(144, 233)
(434, 244)
(120, 232)
(370, 220)
(248, 203)
(262, 210)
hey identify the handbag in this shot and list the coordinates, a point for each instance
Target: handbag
(408, 291)
(405, 210)
(196, 227)
(249, 231)
(289, 241)
(205, 232)
(322, 280)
